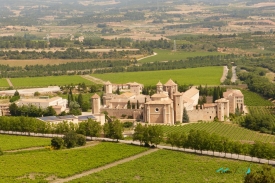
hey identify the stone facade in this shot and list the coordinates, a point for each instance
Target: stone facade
(167, 105)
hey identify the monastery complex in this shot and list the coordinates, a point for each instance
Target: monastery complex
(166, 106)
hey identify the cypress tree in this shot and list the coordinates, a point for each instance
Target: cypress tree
(185, 117)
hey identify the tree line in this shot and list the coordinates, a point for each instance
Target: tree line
(202, 141)
(89, 127)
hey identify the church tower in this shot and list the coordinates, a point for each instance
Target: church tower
(96, 104)
(171, 87)
(178, 106)
(108, 87)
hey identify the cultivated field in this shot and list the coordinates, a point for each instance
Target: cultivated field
(47, 81)
(23, 63)
(10, 142)
(195, 76)
(61, 163)
(165, 55)
(3, 82)
(172, 166)
(254, 99)
(233, 132)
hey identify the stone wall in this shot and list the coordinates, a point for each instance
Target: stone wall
(136, 113)
(206, 114)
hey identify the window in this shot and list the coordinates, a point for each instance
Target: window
(157, 109)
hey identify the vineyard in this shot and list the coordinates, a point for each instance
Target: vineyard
(266, 111)
(233, 132)
(172, 166)
(61, 163)
(10, 142)
(3, 83)
(254, 99)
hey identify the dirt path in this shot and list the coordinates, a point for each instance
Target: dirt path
(88, 144)
(225, 72)
(147, 56)
(9, 81)
(93, 79)
(104, 167)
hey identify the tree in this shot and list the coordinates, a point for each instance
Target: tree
(128, 105)
(90, 128)
(264, 176)
(113, 130)
(14, 109)
(80, 100)
(185, 117)
(85, 106)
(49, 111)
(138, 133)
(81, 140)
(155, 134)
(57, 143)
(70, 139)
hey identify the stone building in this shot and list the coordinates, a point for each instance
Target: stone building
(166, 106)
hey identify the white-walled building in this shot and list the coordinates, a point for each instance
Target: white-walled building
(59, 104)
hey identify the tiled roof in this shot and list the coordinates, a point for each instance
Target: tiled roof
(170, 82)
(95, 96)
(191, 92)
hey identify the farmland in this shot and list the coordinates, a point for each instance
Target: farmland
(172, 166)
(23, 63)
(3, 82)
(254, 99)
(61, 163)
(9, 142)
(48, 81)
(195, 76)
(165, 55)
(233, 132)
(263, 111)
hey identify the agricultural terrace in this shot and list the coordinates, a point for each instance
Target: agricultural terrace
(48, 81)
(195, 76)
(172, 166)
(61, 163)
(265, 111)
(254, 99)
(3, 82)
(233, 132)
(10, 142)
(165, 55)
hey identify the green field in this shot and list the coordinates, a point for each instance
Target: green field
(171, 166)
(195, 76)
(165, 55)
(48, 81)
(254, 99)
(16, 167)
(233, 132)
(10, 142)
(3, 83)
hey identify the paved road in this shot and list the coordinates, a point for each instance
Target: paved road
(154, 54)
(104, 167)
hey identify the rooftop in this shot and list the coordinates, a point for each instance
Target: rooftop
(236, 93)
(170, 82)
(191, 92)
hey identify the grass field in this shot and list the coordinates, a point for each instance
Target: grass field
(10, 142)
(47, 81)
(172, 166)
(195, 76)
(3, 83)
(254, 99)
(165, 55)
(17, 167)
(233, 132)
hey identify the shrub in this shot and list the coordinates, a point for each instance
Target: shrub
(128, 124)
(70, 139)
(81, 140)
(57, 143)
